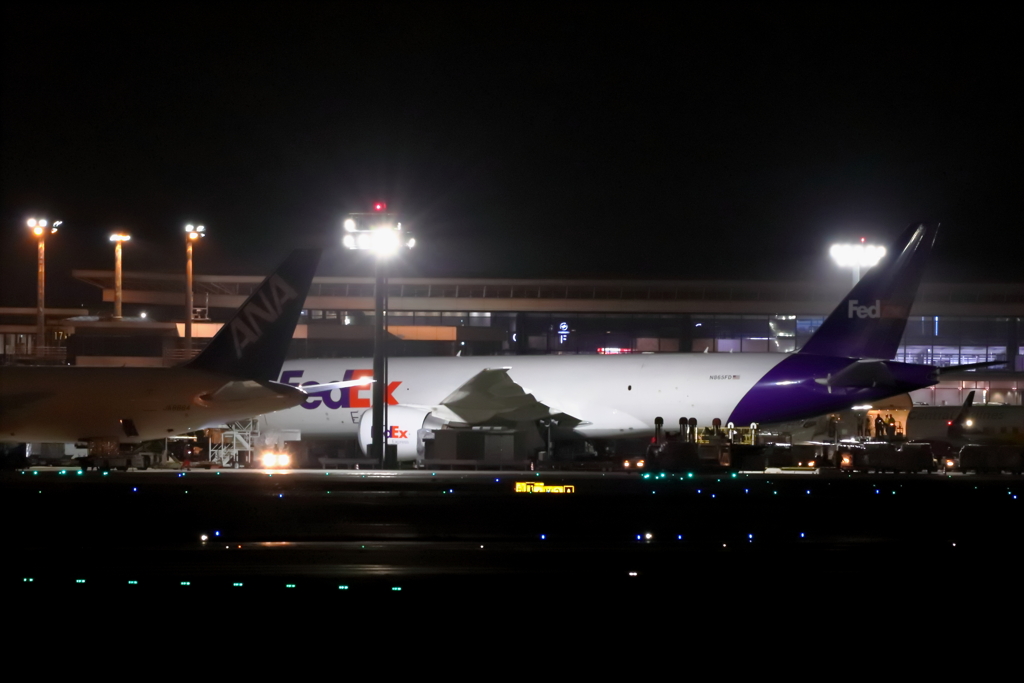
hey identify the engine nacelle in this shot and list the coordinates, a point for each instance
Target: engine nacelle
(406, 427)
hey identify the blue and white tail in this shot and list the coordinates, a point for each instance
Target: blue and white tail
(870, 321)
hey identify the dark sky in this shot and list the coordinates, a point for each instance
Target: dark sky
(633, 141)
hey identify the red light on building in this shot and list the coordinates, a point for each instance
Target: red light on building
(380, 206)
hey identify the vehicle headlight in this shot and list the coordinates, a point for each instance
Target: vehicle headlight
(950, 463)
(283, 460)
(269, 459)
(639, 463)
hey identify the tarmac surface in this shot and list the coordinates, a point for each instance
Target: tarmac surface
(326, 534)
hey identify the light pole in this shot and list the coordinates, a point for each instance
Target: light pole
(41, 229)
(856, 256)
(379, 233)
(118, 238)
(192, 233)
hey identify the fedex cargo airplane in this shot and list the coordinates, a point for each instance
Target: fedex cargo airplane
(846, 362)
(233, 378)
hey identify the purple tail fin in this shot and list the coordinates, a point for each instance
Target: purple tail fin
(870, 321)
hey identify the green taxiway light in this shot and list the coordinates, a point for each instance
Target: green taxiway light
(343, 588)
(237, 584)
(289, 585)
(396, 588)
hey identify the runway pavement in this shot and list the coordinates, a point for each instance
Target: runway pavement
(345, 533)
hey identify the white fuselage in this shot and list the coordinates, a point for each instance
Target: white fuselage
(614, 396)
(65, 404)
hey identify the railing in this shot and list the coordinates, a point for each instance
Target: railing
(175, 356)
(42, 355)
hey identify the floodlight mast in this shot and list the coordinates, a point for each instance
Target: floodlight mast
(192, 233)
(40, 229)
(117, 238)
(379, 232)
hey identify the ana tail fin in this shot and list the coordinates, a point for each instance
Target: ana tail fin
(253, 344)
(958, 423)
(870, 321)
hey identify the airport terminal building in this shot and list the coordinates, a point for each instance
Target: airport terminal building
(950, 324)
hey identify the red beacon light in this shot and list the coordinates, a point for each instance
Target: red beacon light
(380, 206)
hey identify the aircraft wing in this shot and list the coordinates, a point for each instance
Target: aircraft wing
(861, 374)
(492, 395)
(14, 402)
(327, 386)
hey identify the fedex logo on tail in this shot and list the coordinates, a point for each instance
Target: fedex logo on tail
(874, 311)
(879, 309)
(394, 432)
(347, 397)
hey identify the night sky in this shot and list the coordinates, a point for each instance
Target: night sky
(635, 142)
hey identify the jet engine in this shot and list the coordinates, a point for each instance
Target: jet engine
(406, 426)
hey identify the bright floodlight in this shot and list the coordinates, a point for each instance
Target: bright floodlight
(859, 255)
(382, 238)
(120, 237)
(32, 222)
(856, 256)
(385, 241)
